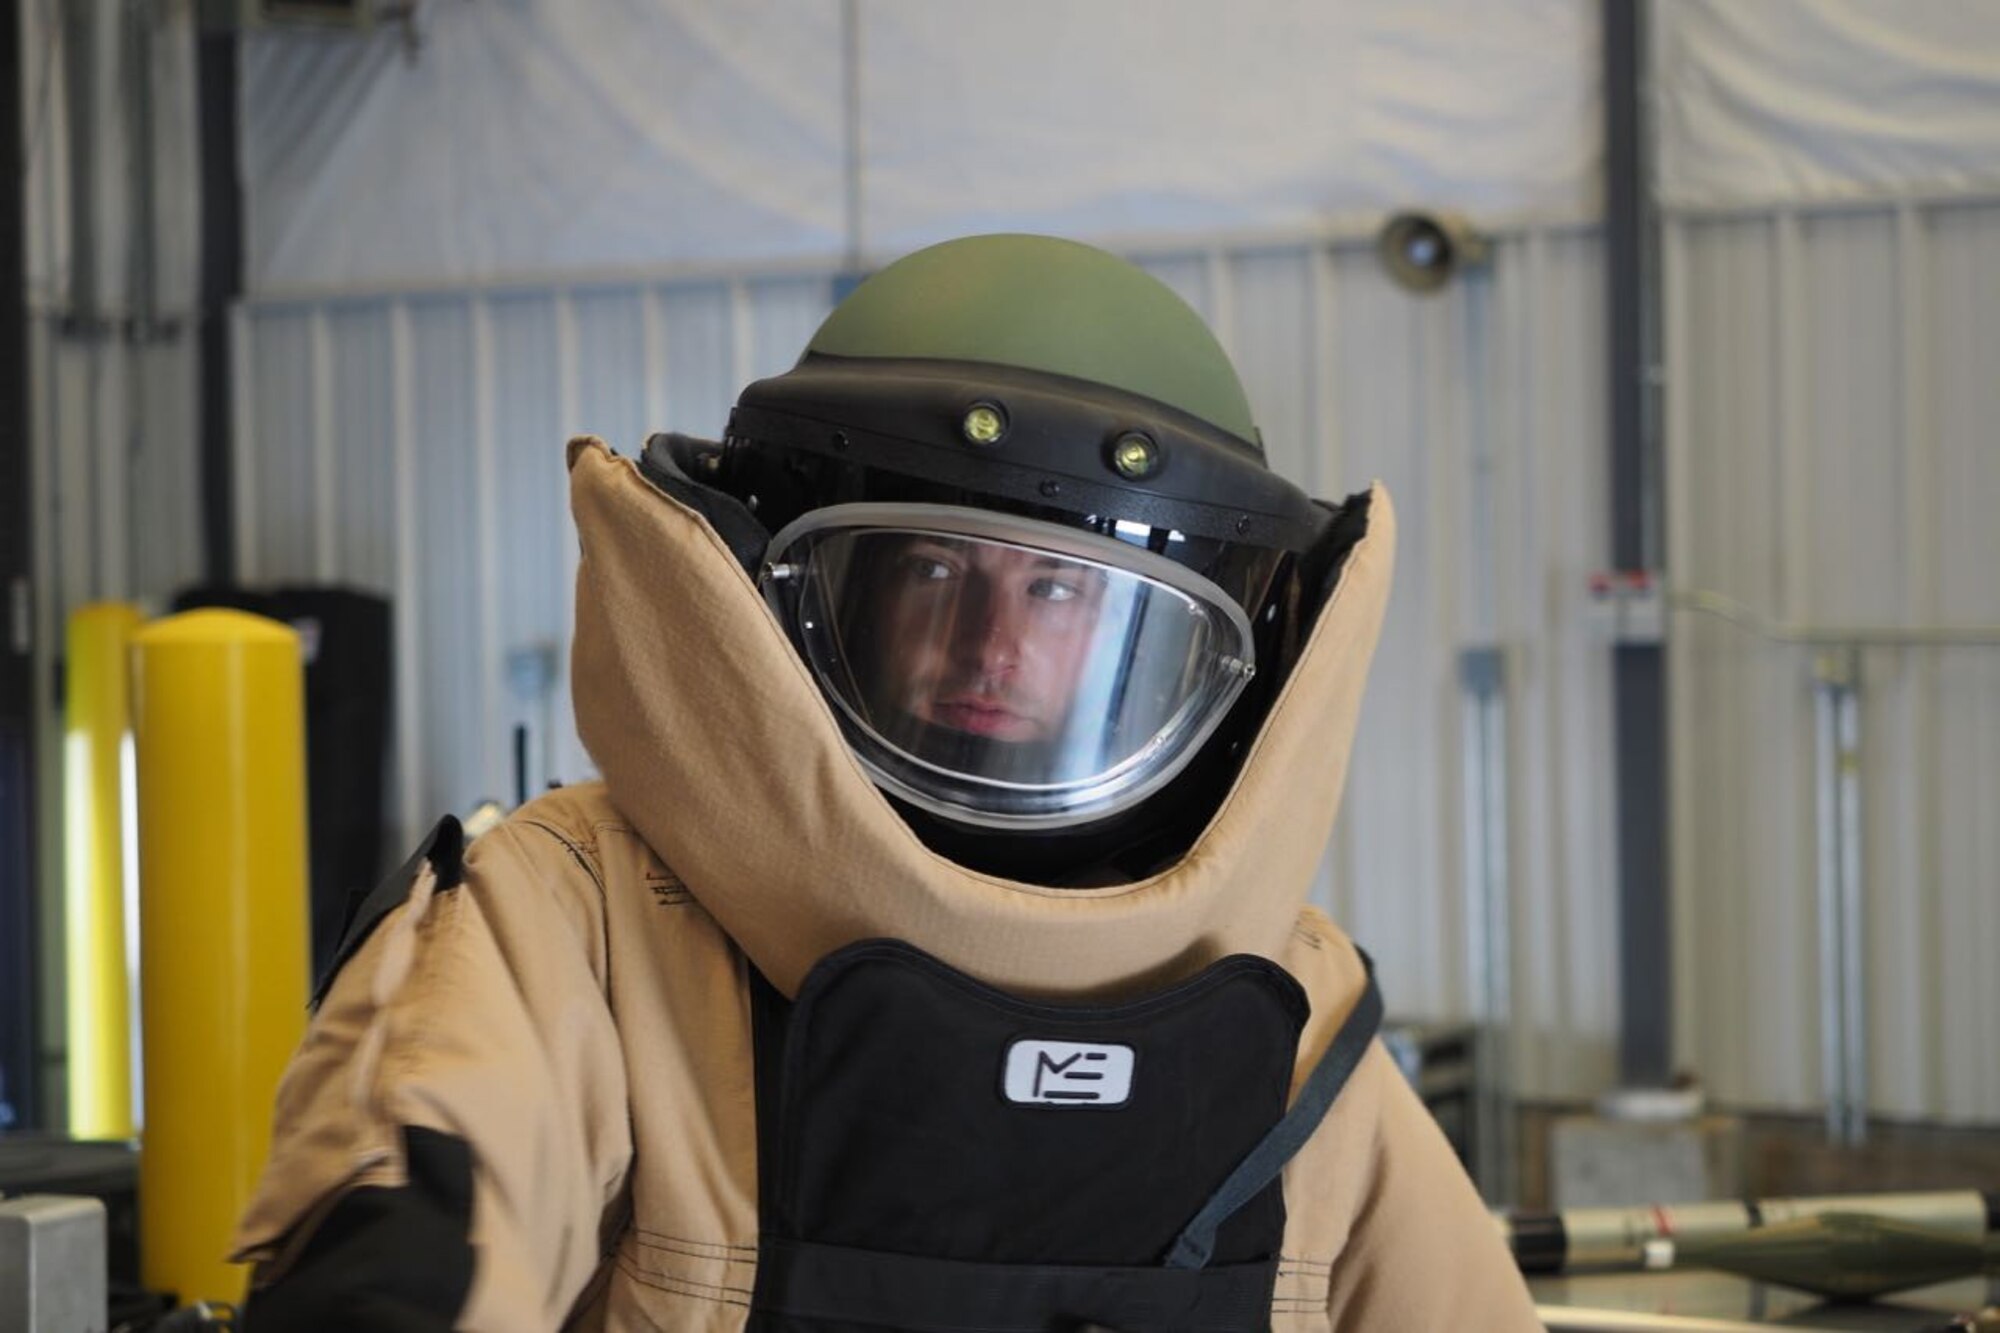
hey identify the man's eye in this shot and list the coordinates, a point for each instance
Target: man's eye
(1053, 590)
(924, 569)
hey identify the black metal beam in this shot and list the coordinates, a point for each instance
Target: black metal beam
(1638, 671)
(19, 1007)
(221, 284)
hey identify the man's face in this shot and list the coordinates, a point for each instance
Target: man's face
(986, 639)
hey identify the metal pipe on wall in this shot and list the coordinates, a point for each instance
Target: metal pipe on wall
(1842, 922)
(220, 284)
(1488, 913)
(1638, 669)
(19, 714)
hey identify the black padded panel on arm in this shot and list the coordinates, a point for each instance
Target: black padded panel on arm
(391, 1260)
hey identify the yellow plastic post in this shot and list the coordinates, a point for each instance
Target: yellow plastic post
(218, 711)
(96, 727)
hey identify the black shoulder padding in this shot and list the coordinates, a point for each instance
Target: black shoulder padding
(443, 847)
(732, 520)
(398, 1260)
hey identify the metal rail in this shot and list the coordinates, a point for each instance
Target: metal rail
(1747, 618)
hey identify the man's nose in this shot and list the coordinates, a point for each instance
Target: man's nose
(990, 628)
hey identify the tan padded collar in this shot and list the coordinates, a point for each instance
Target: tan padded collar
(714, 740)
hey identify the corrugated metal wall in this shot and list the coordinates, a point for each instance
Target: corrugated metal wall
(1830, 394)
(116, 477)
(1830, 387)
(116, 489)
(413, 445)
(1833, 383)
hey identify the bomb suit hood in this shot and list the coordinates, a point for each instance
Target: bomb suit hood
(714, 740)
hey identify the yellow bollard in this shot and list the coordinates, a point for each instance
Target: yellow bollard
(219, 714)
(96, 769)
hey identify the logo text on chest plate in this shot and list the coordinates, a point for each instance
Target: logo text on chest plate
(1068, 1073)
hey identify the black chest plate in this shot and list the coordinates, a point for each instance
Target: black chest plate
(936, 1154)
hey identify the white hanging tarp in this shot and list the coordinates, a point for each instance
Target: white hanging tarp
(539, 137)
(1124, 117)
(1795, 100)
(545, 137)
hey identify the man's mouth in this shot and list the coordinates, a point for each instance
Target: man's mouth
(982, 718)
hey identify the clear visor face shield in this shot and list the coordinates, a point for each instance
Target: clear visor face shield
(1002, 671)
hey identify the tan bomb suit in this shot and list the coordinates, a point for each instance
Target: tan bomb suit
(577, 1008)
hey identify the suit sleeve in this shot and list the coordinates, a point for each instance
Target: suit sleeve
(1423, 1251)
(451, 1141)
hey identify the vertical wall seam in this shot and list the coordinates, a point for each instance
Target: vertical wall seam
(243, 438)
(485, 453)
(563, 752)
(742, 335)
(1918, 453)
(653, 353)
(1795, 443)
(1536, 686)
(409, 704)
(1681, 633)
(326, 481)
(49, 631)
(1444, 457)
(91, 469)
(1220, 281)
(1792, 326)
(111, 415)
(42, 445)
(1328, 462)
(853, 137)
(72, 515)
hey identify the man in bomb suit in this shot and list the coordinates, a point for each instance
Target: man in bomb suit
(933, 952)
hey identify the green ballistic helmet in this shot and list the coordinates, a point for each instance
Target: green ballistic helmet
(1013, 511)
(1037, 372)
(1037, 303)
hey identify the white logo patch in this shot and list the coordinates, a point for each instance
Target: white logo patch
(1068, 1073)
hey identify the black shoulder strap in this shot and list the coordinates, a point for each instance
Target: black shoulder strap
(443, 847)
(1196, 1242)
